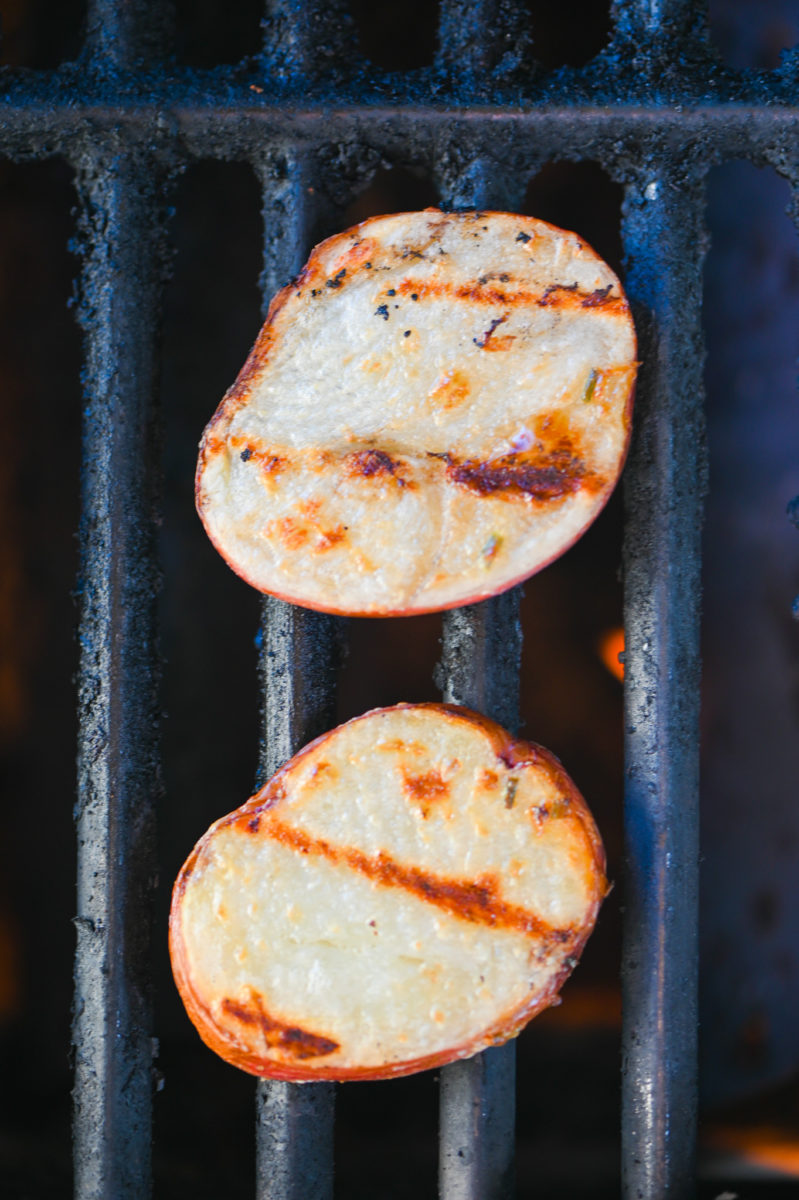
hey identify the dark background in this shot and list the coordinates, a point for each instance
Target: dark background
(571, 702)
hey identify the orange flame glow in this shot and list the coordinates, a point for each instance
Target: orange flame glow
(764, 1146)
(611, 645)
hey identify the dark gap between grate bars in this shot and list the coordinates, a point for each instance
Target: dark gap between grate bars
(124, 123)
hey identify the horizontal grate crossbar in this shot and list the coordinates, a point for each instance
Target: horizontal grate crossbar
(183, 131)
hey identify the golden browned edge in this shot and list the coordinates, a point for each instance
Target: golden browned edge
(514, 753)
(257, 359)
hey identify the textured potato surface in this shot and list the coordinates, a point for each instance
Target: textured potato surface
(436, 408)
(407, 890)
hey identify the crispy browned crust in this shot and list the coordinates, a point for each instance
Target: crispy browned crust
(533, 482)
(313, 1045)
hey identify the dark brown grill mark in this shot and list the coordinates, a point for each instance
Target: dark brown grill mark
(477, 901)
(483, 340)
(550, 296)
(374, 462)
(293, 1040)
(597, 298)
(560, 475)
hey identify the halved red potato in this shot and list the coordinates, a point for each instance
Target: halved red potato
(436, 408)
(410, 888)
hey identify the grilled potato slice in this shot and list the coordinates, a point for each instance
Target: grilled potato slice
(435, 409)
(407, 890)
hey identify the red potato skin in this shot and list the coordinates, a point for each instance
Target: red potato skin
(513, 753)
(237, 394)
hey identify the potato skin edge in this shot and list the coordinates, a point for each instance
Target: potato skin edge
(514, 752)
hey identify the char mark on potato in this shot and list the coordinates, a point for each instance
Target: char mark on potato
(549, 479)
(484, 338)
(278, 1035)
(597, 298)
(251, 451)
(331, 537)
(425, 789)
(367, 463)
(550, 296)
(477, 901)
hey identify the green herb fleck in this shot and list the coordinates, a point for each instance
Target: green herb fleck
(590, 386)
(511, 787)
(492, 545)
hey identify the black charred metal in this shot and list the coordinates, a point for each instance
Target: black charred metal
(664, 492)
(294, 1122)
(300, 650)
(481, 656)
(118, 763)
(657, 109)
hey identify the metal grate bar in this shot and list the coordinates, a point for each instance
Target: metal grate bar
(480, 662)
(302, 38)
(480, 668)
(657, 25)
(474, 37)
(219, 124)
(294, 1122)
(118, 768)
(132, 34)
(478, 1126)
(664, 487)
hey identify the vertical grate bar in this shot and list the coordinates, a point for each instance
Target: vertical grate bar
(304, 38)
(660, 25)
(130, 34)
(473, 38)
(481, 655)
(480, 669)
(118, 768)
(664, 491)
(294, 1122)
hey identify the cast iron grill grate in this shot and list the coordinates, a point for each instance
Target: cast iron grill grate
(657, 110)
